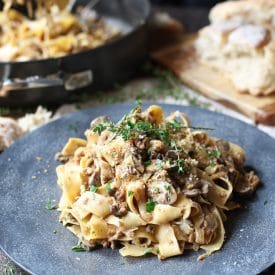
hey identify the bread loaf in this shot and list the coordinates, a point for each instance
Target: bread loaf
(240, 42)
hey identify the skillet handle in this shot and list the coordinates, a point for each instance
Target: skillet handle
(69, 81)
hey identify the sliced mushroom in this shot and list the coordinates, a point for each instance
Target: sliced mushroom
(196, 187)
(192, 193)
(95, 174)
(157, 147)
(106, 171)
(142, 142)
(247, 184)
(223, 146)
(172, 154)
(137, 159)
(210, 225)
(162, 192)
(186, 226)
(205, 228)
(119, 209)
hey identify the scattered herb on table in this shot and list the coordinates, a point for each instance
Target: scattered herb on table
(50, 205)
(78, 248)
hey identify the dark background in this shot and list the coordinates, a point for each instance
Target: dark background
(202, 3)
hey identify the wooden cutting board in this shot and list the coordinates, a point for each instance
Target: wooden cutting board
(181, 58)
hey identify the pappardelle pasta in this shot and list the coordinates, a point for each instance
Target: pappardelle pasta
(53, 32)
(150, 184)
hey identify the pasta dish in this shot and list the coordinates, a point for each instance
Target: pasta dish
(150, 184)
(53, 32)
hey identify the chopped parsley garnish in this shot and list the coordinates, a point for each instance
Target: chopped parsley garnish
(180, 166)
(147, 162)
(130, 193)
(157, 189)
(174, 125)
(99, 128)
(159, 165)
(109, 188)
(93, 188)
(50, 205)
(212, 164)
(167, 187)
(214, 153)
(142, 126)
(78, 248)
(265, 202)
(150, 206)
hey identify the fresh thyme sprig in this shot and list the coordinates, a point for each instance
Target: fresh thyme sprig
(130, 128)
(99, 128)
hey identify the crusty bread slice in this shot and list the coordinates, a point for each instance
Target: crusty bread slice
(244, 49)
(260, 12)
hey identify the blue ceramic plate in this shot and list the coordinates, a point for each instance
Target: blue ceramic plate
(34, 239)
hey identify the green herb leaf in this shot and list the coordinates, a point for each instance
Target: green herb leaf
(147, 163)
(157, 189)
(150, 206)
(159, 164)
(93, 188)
(265, 202)
(109, 188)
(78, 248)
(130, 193)
(9, 270)
(174, 125)
(99, 128)
(143, 126)
(212, 164)
(180, 165)
(214, 153)
(50, 205)
(167, 187)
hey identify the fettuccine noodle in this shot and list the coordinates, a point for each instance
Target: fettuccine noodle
(150, 184)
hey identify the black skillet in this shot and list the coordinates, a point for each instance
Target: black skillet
(53, 80)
